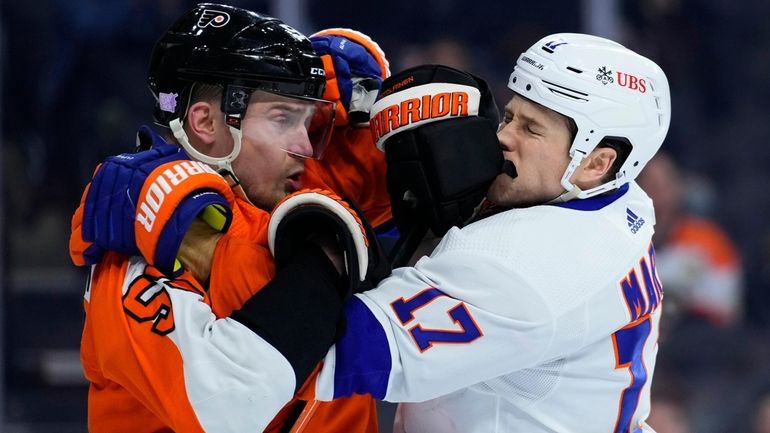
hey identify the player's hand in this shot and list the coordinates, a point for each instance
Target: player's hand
(173, 196)
(321, 217)
(105, 218)
(355, 67)
(108, 212)
(438, 168)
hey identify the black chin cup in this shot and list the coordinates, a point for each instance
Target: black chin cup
(509, 169)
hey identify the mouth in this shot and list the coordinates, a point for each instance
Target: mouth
(294, 181)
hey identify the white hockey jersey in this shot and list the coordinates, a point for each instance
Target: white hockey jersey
(543, 319)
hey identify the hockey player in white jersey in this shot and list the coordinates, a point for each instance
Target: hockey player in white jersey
(542, 316)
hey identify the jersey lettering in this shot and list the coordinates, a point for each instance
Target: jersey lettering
(629, 341)
(425, 338)
(147, 300)
(642, 300)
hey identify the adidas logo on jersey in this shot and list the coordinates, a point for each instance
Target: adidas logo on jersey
(634, 221)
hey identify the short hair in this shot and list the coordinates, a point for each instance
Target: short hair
(621, 146)
(200, 92)
(205, 92)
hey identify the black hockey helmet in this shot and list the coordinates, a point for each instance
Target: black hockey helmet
(238, 49)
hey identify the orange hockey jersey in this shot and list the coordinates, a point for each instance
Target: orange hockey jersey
(354, 168)
(161, 355)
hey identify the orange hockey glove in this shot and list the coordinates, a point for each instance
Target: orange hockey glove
(355, 67)
(173, 195)
(352, 166)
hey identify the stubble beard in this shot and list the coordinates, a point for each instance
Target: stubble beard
(509, 193)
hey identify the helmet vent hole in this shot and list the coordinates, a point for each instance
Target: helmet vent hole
(514, 80)
(636, 163)
(566, 92)
(592, 131)
(575, 70)
(529, 86)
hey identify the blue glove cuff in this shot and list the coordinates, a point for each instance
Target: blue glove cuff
(170, 239)
(350, 60)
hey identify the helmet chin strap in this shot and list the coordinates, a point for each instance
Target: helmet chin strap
(567, 195)
(571, 190)
(223, 164)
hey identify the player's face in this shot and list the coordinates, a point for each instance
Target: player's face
(274, 146)
(537, 141)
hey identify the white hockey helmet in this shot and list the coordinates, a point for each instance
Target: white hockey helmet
(608, 90)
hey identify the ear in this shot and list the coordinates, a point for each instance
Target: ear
(201, 125)
(595, 167)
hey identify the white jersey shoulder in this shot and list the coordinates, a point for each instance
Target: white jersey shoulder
(516, 317)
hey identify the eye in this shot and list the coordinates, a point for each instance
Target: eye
(280, 117)
(532, 131)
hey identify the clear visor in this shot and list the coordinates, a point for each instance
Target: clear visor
(298, 125)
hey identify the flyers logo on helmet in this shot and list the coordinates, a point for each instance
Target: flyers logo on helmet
(213, 18)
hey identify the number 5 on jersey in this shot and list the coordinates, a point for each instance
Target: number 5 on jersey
(425, 338)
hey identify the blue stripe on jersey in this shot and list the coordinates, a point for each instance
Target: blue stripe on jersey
(362, 355)
(629, 343)
(596, 202)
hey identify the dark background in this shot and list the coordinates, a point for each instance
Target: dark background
(73, 92)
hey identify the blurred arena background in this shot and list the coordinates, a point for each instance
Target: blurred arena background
(73, 91)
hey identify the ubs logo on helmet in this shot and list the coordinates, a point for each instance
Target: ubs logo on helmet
(213, 18)
(605, 76)
(632, 82)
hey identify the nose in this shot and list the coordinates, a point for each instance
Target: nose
(300, 143)
(507, 137)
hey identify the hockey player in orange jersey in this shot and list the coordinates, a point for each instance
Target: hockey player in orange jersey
(159, 354)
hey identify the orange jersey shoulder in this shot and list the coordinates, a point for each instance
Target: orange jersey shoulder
(353, 168)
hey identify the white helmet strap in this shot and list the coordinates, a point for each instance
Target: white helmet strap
(572, 191)
(220, 162)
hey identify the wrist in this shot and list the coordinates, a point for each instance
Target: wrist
(196, 253)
